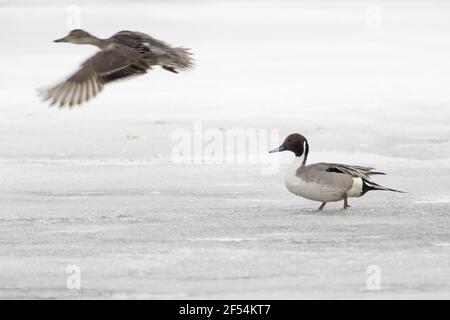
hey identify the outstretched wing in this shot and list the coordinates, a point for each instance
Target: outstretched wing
(354, 171)
(113, 63)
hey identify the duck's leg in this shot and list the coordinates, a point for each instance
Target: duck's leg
(346, 205)
(322, 205)
(171, 69)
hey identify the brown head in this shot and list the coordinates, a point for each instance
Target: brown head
(78, 36)
(296, 143)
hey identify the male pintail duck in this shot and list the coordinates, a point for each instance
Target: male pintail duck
(325, 182)
(126, 54)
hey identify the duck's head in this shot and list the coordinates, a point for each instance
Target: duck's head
(77, 36)
(294, 142)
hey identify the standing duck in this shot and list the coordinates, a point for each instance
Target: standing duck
(126, 54)
(325, 182)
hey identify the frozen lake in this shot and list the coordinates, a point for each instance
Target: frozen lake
(96, 186)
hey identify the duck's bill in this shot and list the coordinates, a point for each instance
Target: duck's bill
(61, 40)
(279, 149)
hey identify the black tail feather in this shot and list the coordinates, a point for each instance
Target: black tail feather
(369, 186)
(377, 172)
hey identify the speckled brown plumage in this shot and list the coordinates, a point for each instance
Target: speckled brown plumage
(124, 55)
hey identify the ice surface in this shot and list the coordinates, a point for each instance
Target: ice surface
(96, 187)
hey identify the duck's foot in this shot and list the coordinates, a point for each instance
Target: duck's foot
(322, 205)
(346, 205)
(171, 69)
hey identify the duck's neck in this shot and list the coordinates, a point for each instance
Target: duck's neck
(297, 164)
(92, 40)
(299, 161)
(301, 158)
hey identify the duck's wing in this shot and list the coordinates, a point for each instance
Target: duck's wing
(170, 58)
(354, 171)
(332, 185)
(113, 63)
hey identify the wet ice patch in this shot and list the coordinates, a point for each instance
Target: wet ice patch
(441, 244)
(223, 239)
(438, 199)
(265, 200)
(83, 230)
(378, 236)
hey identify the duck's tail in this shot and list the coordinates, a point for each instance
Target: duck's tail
(179, 59)
(369, 186)
(184, 58)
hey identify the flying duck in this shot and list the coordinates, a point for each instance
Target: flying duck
(325, 182)
(126, 54)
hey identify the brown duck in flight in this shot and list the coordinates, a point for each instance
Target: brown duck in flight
(126, 54)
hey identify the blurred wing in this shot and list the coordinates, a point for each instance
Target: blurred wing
(125, 73)
(113, 63)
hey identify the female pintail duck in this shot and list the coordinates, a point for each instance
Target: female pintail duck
(124, 55)
(325, 182)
